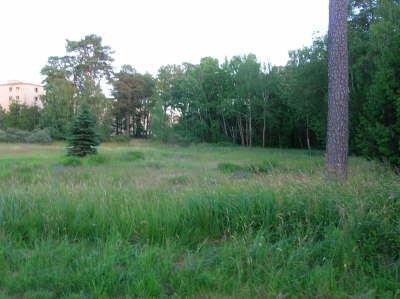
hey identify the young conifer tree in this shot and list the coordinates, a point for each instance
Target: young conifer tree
(83, 137)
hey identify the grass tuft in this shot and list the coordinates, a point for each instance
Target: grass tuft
(72, 161)
(179, 180)
(229, 167)
(97, 159)
(132, 156)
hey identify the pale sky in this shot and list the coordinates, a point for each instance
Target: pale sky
(151, 33)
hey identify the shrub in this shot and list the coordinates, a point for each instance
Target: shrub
(39, 136)
(3, 136)
(16, 135)
(132, 156)
(13, 135)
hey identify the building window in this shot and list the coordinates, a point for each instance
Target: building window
(17, 97)
(17, 88)
(10, 98)
(36, 98)
(10, 89)
(36, 89)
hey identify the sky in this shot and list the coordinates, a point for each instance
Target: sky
(150, 33)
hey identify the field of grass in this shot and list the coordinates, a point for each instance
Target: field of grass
(146, 220)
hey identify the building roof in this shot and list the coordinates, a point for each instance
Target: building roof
(16, 82)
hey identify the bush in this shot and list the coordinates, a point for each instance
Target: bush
(39, 136)
(16, 135)
(132, 156)
(3, 136)
(13, 135)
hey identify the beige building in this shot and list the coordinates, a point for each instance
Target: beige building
(23, 93)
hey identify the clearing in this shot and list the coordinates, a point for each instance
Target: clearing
(143, 219)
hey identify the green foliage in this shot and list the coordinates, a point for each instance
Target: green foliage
(83, 137)
(132, 156)
(225, 144)
(264, 167)
(131, 109)
(229, 167)
(244, 102)
(72, 161)
(18, 136)
(74, 79)
(3, 136)
(21, 116)
(379, 132)
(179, 180)
(58, 106)
(39, 136)
(240, 101)
(97, 159)
(13, 135)
(248, 103)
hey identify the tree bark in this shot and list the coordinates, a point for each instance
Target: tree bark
(338, 132)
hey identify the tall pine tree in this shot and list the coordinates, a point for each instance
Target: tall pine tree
(338, 94)
(83, 137)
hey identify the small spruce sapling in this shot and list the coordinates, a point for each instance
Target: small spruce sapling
(83, 137)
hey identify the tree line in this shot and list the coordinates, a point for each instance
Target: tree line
(239, 100)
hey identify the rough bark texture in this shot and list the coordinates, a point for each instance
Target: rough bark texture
(338, 132)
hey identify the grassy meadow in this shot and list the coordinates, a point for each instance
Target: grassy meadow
(146, 220)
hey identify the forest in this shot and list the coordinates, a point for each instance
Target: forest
(240, 100)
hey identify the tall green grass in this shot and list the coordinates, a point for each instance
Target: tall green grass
(120, 229)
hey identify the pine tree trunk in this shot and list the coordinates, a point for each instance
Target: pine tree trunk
(338, 132)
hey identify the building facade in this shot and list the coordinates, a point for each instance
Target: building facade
(20, 92)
